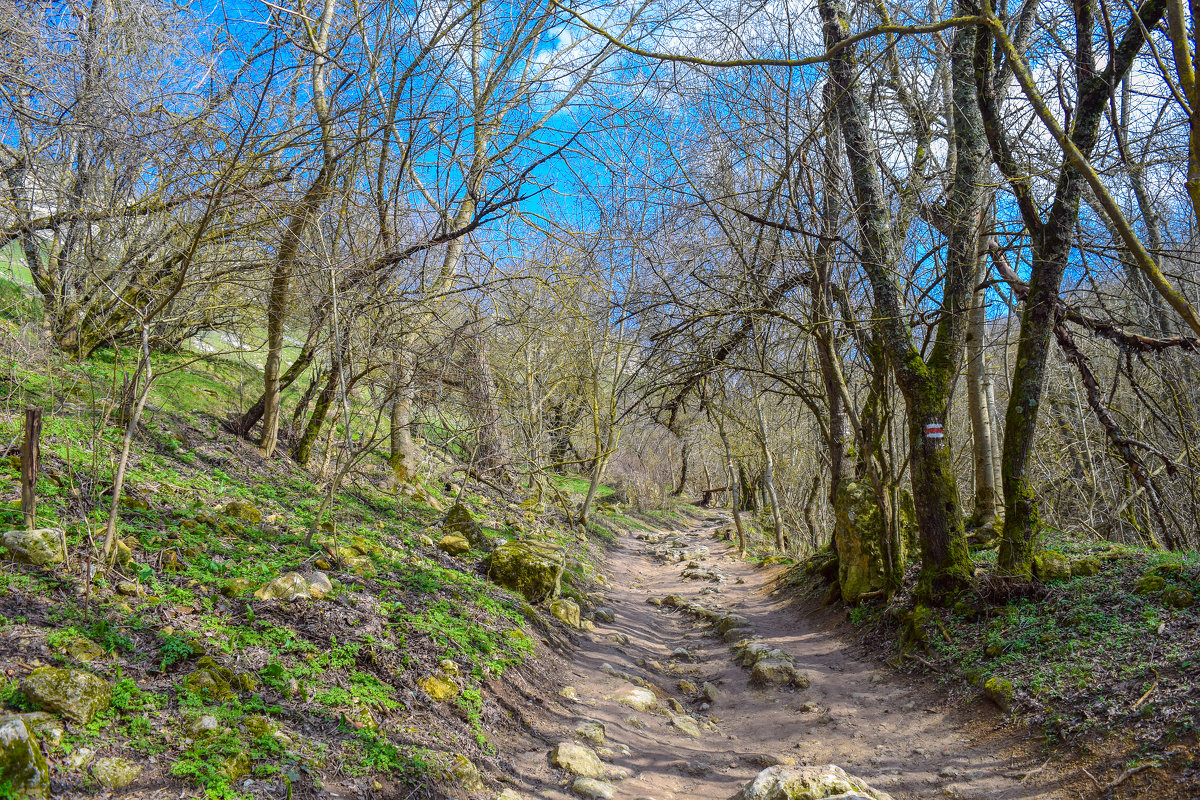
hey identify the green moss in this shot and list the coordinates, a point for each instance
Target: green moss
(999, 691)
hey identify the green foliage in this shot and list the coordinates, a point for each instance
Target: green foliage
(105, 634)
(377, 754)
(172, 648)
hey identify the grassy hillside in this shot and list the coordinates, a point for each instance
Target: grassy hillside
(1103, 657)
(216, 692)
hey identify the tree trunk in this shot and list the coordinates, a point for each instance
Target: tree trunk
(978, 385)
(683, 469)
(304, 447)
(924, 385)
(403, 454)
(493, 454)
(294, 231)
(1052, 244)
(734, 493)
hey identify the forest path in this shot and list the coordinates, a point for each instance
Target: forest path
(901, 736)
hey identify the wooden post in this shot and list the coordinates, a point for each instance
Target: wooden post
(30, 454)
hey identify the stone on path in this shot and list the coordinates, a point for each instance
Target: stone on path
(578, 759)
(638, 699)
(594, 788)
(687, 725)
(808, 783)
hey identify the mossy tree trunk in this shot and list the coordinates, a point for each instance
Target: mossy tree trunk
(1052, 243)
(925, 385)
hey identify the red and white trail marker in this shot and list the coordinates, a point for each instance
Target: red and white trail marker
(935, 430)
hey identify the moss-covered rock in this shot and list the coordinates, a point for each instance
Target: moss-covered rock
(294, 586)
(534, 569)
(454, 545)
(236, 766)
(22, 765)
(236, 587)
(565, 610)
(44, 726)
(1149, 584)
(440, 687)
(1085, 567)
(209, 685)
(258, 725)
(1177, 598)
(458, 770)
(83, 650)
(459, 522)
(115, 773)
(244, 511)
(42, 547)
(1050, 565)
(74, 695)
(999, 691)
(858, 533)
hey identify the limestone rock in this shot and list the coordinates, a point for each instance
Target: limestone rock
(454, 545)
(578, 759)
(210, 685)
(44, 726)
(319, 586)
(243, 510)
(594, 788)
(686, 725)
(294, 586)
(1085, 566)
(1149, 584)
(460, 523)
(592, 731)
(807, 783)
(115, 773)
(22, 764)
(566, 611)
(999, 691)
(1049, 565)
(235, 587)
(534, 569)
(777, 672)
(84, 650)
(74, 695)
(604, 615)
(41, 547)
(638, 699)
(204, 726)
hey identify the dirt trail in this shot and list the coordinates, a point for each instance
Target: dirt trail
(900, 736)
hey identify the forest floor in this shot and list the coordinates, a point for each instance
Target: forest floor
(905, 735)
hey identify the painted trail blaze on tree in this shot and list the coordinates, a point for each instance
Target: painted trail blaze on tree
(934, 430)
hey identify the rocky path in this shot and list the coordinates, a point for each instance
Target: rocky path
(675, 711)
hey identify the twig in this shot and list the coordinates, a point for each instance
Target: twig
(1033, 772)
(1126, 775)
(1149, 691)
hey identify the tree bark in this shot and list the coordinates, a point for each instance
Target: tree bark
(402, 454)
(293, 234)
(1052, 241)
(978, 387)
(924, 385)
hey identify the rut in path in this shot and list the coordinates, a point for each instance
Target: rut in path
(901, 736)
